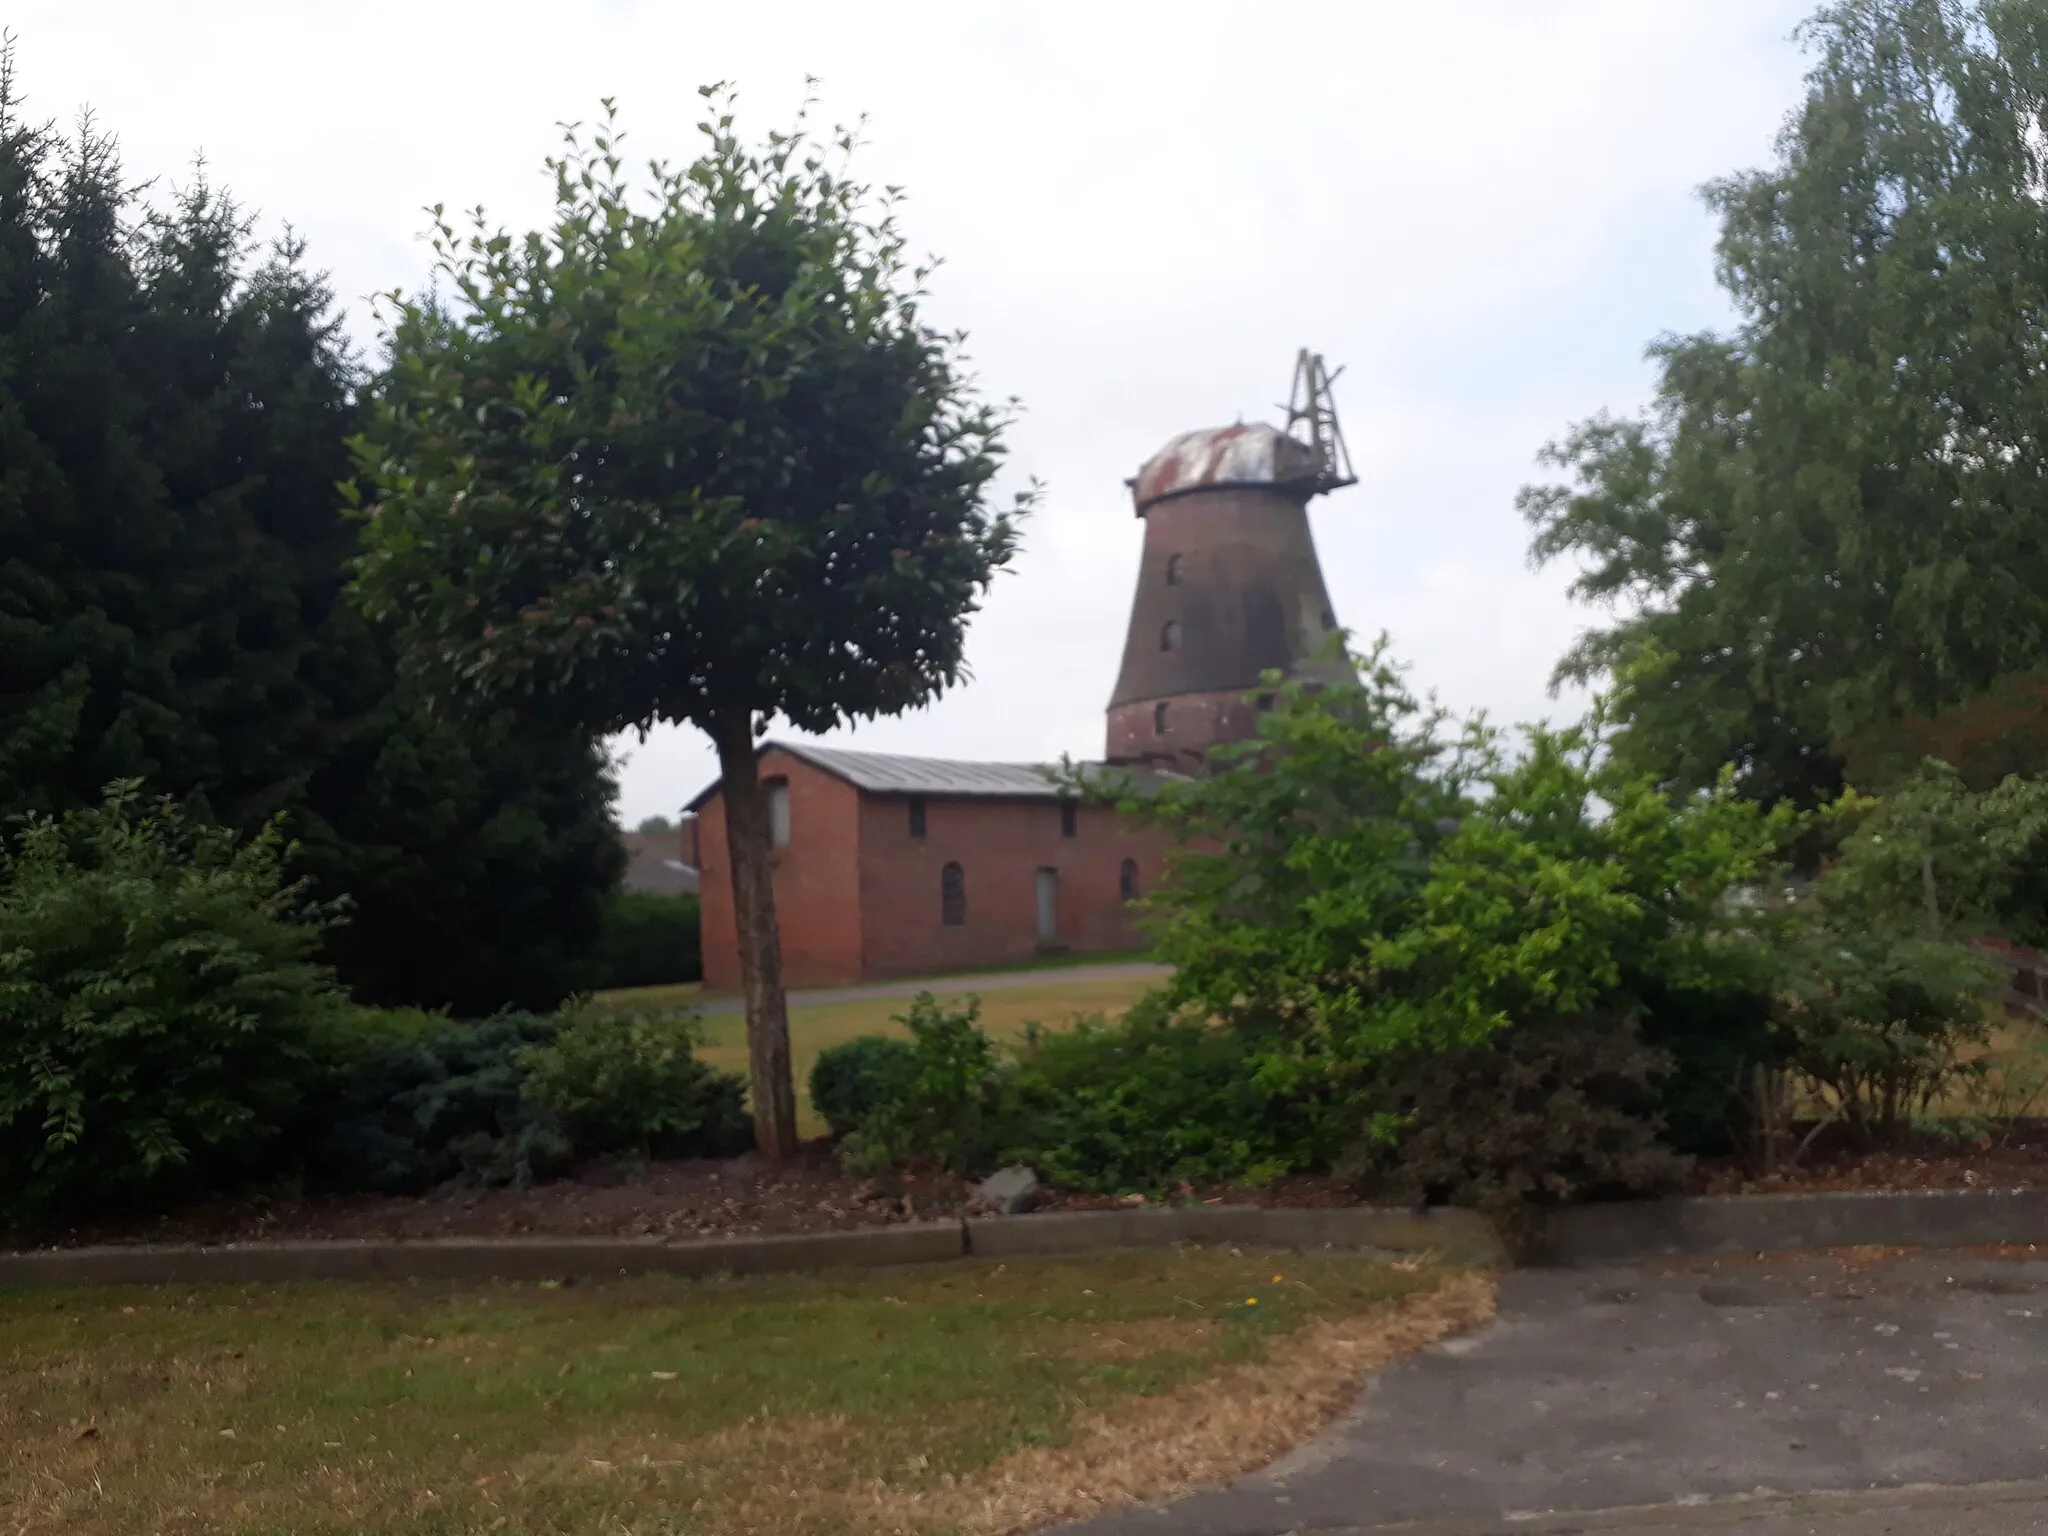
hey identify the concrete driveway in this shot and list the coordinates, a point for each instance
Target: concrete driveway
(1912, 1393)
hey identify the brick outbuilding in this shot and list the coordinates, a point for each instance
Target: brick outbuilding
(901, 866)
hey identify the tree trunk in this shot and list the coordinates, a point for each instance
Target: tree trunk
(753, 904)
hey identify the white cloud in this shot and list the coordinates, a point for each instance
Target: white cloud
(1483, 210)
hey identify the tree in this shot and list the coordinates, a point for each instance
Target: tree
(175, 409)
(1831, 518)
(655, 824)
(693, 458)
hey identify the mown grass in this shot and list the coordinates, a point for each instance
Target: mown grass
(945, 1399)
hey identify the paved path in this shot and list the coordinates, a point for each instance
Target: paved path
(1664, 1391)
(953, 986)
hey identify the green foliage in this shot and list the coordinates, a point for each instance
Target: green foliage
(1351, 884)
(159, 1006)
(703, 454)
(618, 1082)
(650, 941)
(853, 1079)
(1880, 992)
(947, 1109)
(175, 407)
(1547, 1112)
(1151, 1101)
(1830, 517)
(420, 1112)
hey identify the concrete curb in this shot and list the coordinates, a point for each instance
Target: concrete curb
(1942, 1218)
(1457, 1235)
(1583, 1235)
(536, 1258)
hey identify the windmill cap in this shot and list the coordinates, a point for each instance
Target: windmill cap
(1246, 454)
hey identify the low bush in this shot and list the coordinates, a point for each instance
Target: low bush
(649, 940)
(1543, 1114)
(159, 1007)
(419, 1112)
(1146, 1103)
(853, 1079)
(618, 1082)
(948, 1108)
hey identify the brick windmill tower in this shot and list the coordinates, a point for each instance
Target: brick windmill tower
(1228, 586)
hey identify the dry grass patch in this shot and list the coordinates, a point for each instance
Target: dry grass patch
(957, 1399)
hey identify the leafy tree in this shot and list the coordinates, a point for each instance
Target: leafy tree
(652, 824)
(175, 406)
(1356, 888)
(695, 457)
(1831, 517)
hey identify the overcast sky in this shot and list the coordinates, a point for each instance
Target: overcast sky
(1482, 209)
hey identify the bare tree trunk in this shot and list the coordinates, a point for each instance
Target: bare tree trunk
(753, 905)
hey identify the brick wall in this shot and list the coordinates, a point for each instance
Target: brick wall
(817, 886)
(1000, 846)
(858, 897)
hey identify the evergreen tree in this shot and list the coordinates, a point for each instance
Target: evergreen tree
(174, 411)
(1835, 517)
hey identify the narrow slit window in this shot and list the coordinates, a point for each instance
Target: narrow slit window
(1127, 880)
(1169, 635)
(1159, 720)
(953, 896)
(778, 813)
(1173, 570)
(917, 815)
(1070, 819)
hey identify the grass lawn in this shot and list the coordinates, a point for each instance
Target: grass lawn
(960, 1398)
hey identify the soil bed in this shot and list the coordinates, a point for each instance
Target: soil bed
(2018, 1160)
(743, 1197)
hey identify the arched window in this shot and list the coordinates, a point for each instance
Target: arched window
(1169, 635)
(953, 896)
(1173, 570)
(1127, 880)
(1159, 719)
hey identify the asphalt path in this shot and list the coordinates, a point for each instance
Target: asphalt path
(1808, 1395)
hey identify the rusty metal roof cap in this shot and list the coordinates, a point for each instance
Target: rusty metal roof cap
(1250, 453)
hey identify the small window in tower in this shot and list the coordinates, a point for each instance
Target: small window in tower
(1173, 570)
(1127, 880)
(1159, 726)
(1265, 702)
(953, 896)
(1329, 619)
(1169, 635)
(778, 812)
(1069, 818)
(917, 815)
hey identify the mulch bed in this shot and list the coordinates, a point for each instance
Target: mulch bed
(743, 1197)
(2008, 1162)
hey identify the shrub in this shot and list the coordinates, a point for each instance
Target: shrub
(650, 940)
(1145, 1103)
(158, 1001)
(1543, 1114)
(420, 1112)
(615, 1082)
(850, 1081)
(945, 1111)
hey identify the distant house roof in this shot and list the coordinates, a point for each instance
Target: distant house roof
(884, 773)
(654, 864)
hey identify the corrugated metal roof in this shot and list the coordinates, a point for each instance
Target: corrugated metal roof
(884, 773)
(1246, 454)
